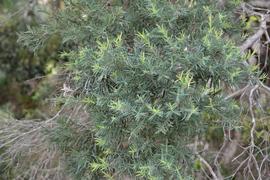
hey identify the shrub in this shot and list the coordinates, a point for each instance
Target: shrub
(151, 75)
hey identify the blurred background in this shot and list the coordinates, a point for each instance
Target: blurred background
(26, 79)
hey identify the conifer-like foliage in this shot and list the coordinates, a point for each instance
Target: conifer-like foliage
(151, 75)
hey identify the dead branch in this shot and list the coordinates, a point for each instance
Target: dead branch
(261, 3)
(237, 93)
(251, 40)
(214, 176)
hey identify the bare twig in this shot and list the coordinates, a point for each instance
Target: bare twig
(237, 93)
(214, 176)
(42, 125)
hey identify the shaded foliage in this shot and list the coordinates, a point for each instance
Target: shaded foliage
(19, 64)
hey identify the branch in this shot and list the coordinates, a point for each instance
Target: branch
(251, 40)
(237, 93)
(215, 177)
(261, 3)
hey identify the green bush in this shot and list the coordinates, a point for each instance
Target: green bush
(151, 74)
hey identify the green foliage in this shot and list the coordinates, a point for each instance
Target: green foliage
(79, 146)
(151, 73)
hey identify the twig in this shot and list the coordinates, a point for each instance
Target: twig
(237, 93)
(33, 130)
(215, 177)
